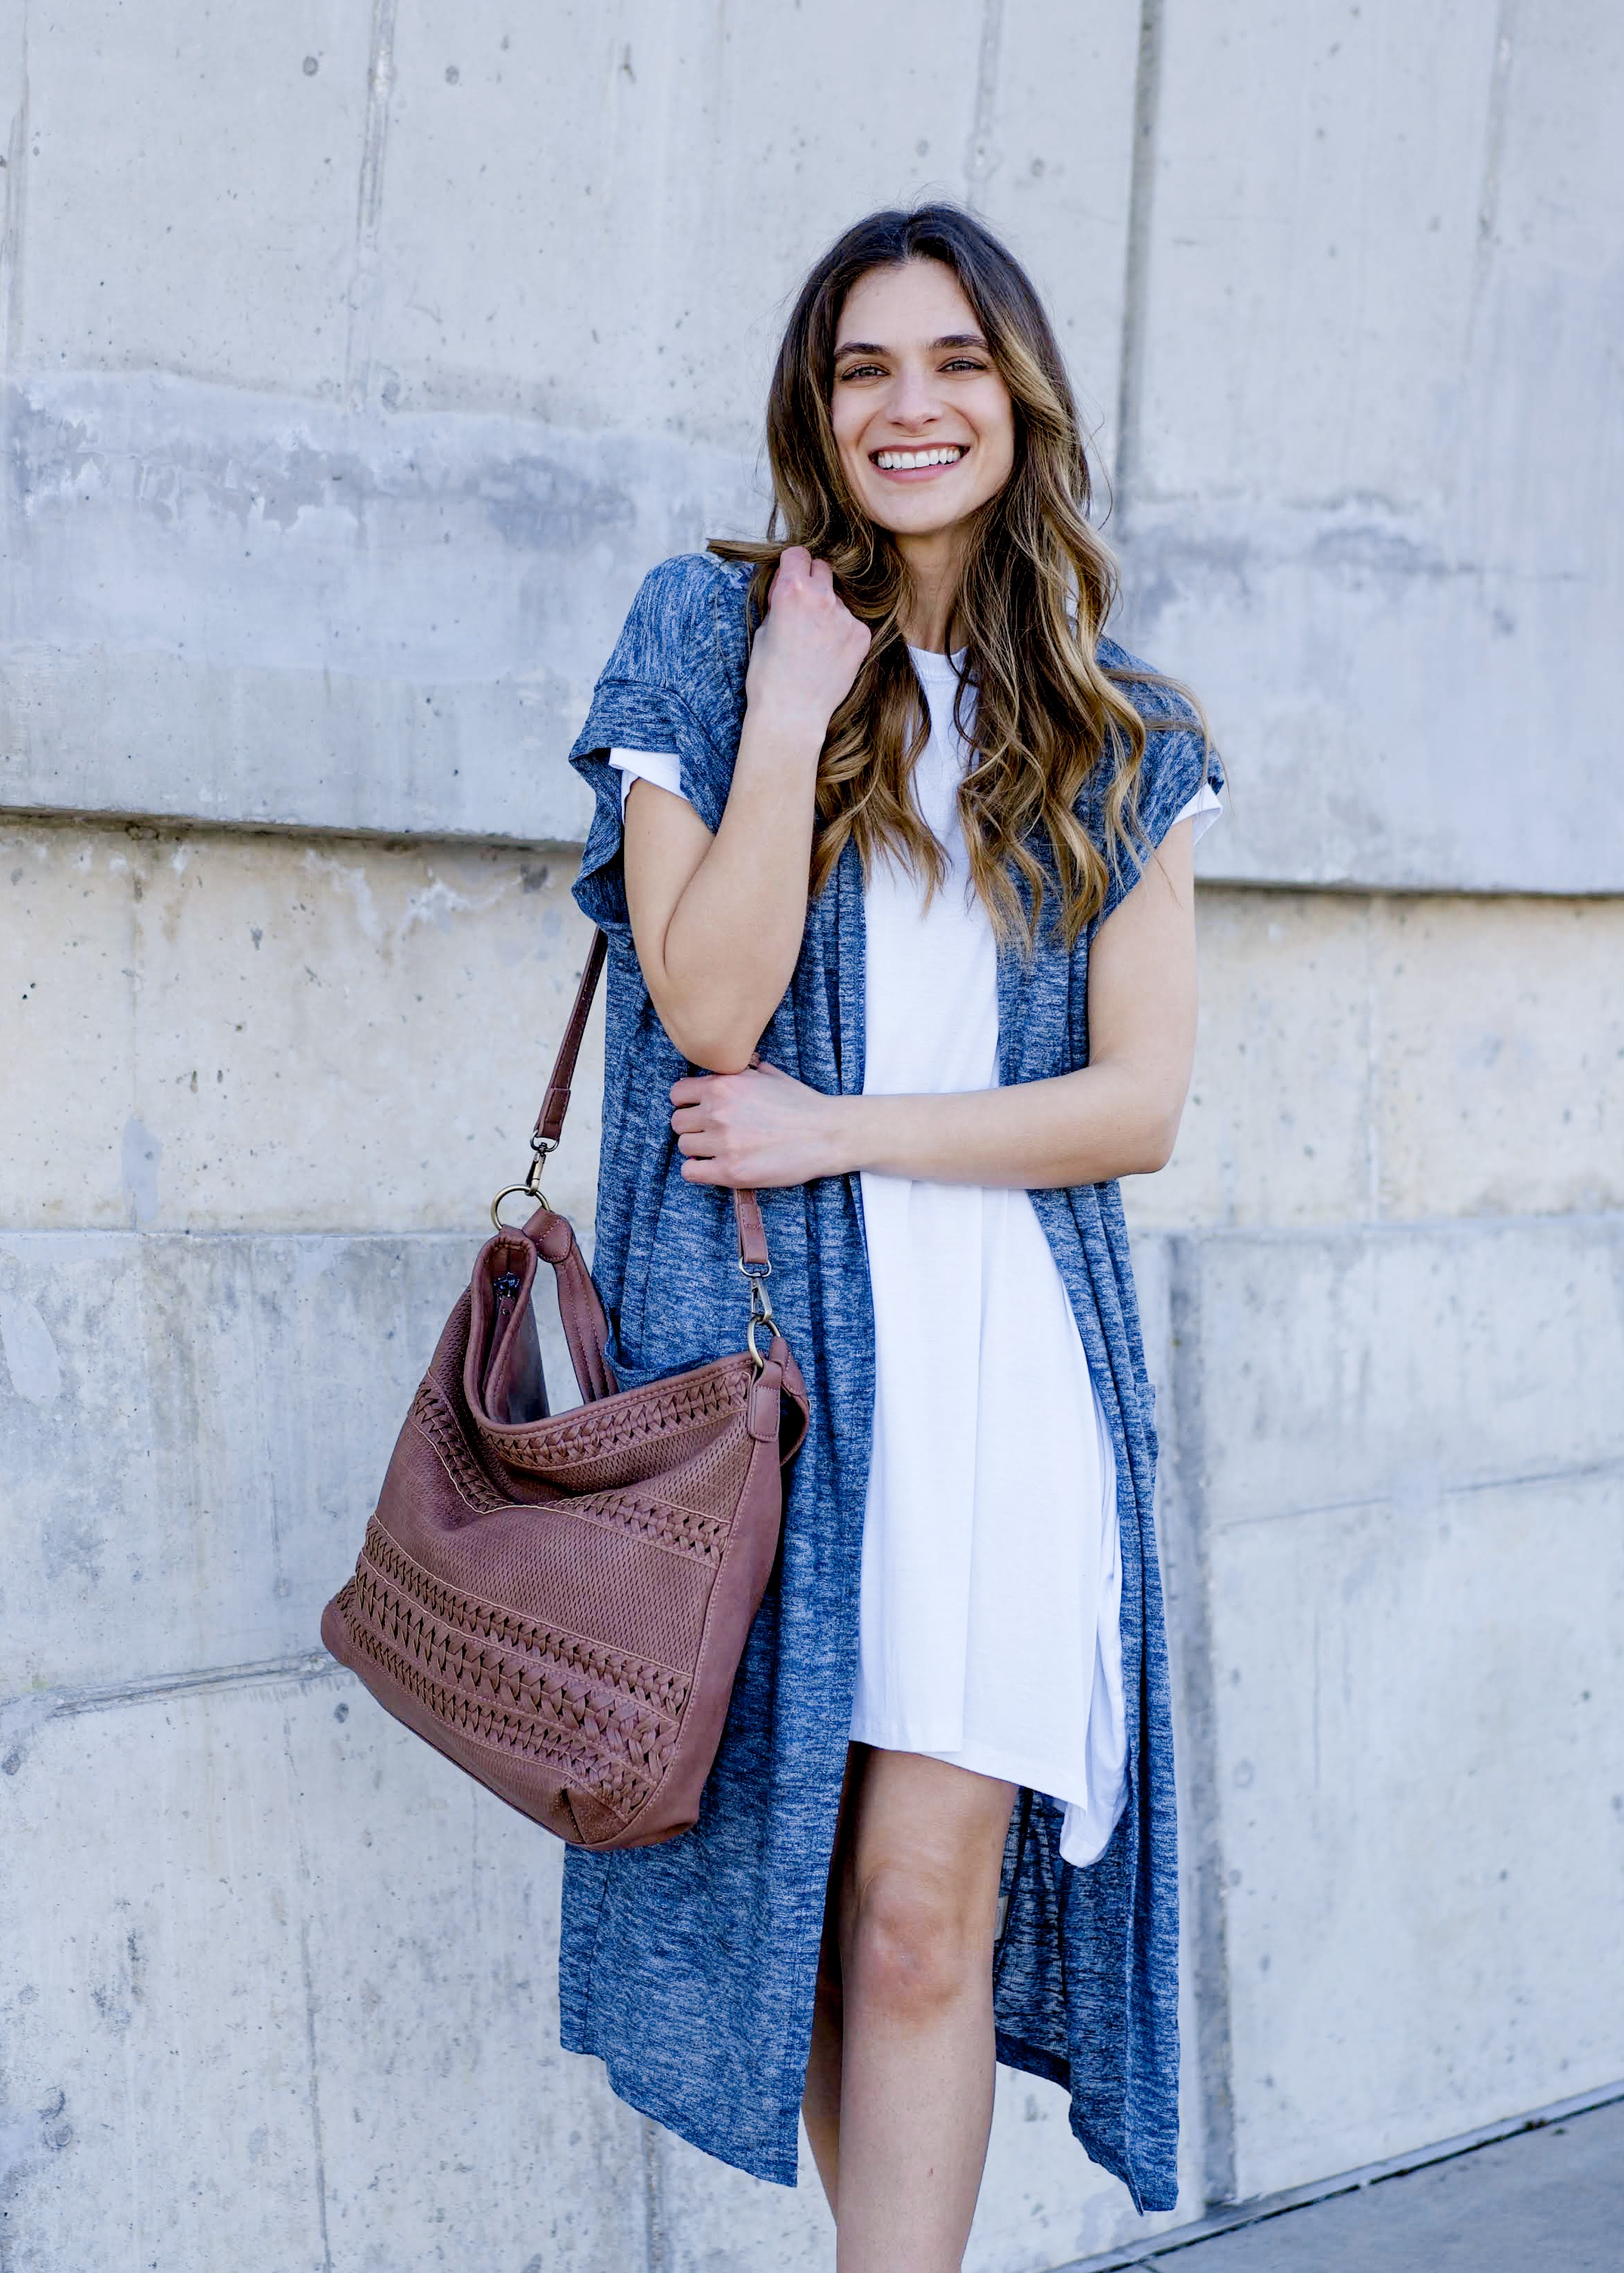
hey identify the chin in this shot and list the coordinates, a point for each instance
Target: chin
(906, 517)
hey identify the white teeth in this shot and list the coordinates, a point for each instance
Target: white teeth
(905, 461)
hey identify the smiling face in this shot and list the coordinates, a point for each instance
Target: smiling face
(922, 420)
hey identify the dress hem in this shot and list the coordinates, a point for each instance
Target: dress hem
(985, 1759)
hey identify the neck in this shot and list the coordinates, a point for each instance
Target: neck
(935, 565)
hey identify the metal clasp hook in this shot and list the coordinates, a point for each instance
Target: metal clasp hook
(760, 1314)
(540, 1147)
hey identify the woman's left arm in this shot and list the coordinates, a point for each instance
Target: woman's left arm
(1117, 1116)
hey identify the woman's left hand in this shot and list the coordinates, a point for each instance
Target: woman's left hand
(759, 1128)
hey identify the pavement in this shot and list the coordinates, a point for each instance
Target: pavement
(1549, 2200)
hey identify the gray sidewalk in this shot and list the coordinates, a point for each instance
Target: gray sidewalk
(1550, 2200)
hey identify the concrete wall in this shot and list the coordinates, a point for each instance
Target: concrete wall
(356, 366)
(343, 418)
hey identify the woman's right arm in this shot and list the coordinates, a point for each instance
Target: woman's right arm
(717, 920)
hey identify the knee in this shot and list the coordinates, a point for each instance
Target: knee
(909, 1944)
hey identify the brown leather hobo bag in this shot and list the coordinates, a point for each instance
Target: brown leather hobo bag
(558, 1603)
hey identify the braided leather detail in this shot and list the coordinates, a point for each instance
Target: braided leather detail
(621, 1785)
(390, 1587)
(658, 1411)
(432, 1411)
(551, 1710)
(687, 1529)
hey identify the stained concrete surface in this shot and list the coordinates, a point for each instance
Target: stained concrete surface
(295, 1984)
(1397, 1707)
(1357, 450)
(1388, 1509)
(336, 442)
(261, 1086)
(226, 1032)
(1547, 2201)
(211, 1029)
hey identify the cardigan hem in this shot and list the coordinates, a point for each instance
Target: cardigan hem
(772, 2153)
(1149, 2191)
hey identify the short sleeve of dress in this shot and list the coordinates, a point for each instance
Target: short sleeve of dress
(674, 685)
(1179, 761)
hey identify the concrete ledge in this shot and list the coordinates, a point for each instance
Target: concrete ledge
(225, 1032)
(234, 1033)
(1393, 1363)
(242, 607)
(247, 608)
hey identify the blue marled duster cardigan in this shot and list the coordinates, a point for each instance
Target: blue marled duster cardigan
(689, 1968)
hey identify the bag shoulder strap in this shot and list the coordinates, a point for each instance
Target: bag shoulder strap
(556, 1104)
(753, 1252)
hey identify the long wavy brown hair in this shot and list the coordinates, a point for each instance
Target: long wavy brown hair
(1051, 729)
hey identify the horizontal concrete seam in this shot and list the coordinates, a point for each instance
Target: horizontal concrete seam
(1590, 1471)
(1609, 1220)
(394, 834)
(1261, 2207)
(475, 1228)
(1391, 1229)
(63, 1704)
(1215, 877)
(412, 840)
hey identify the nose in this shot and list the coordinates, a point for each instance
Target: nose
(913, 401)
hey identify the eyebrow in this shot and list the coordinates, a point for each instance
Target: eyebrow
(948, 340)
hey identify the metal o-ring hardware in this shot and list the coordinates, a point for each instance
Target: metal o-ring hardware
(506, 1192)
(540, 1147)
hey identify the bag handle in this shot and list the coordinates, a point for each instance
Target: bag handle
(753, 1259)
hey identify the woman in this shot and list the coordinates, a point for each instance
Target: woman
(893, 854)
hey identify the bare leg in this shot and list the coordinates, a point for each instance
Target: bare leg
(904, 2034)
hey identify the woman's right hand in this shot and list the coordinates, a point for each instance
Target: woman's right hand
(808, 651)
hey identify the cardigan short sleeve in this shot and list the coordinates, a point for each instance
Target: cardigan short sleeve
(674, 684)
(1179, 759)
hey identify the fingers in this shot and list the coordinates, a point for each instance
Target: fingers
(797, 567)
(794, 568)
(699, 1116)
(689, 1125)
(692, 1109)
